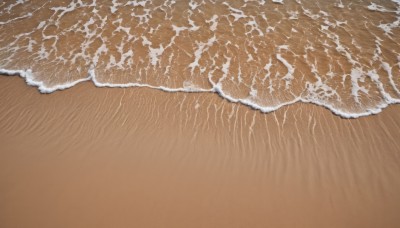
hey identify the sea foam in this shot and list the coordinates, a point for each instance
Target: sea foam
(257, 53)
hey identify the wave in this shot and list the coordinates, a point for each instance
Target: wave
(27, 75)
(340, 55)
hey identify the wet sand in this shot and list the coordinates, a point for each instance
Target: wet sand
(102, 157)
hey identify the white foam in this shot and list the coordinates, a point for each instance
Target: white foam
(201, 48)
(388, 69)
(155, 53)
(236, 13)
(357, 75)
(289, 75)
(278, 1)
(214, 23)
(376, 7)
(193, 5)
(252, 55)
(294, 15)
(30, 79)
(254, 26)
(137, 3)
(339, 4)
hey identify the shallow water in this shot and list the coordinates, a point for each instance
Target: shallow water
(344, 55)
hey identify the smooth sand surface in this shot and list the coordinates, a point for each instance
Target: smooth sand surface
(102, 157)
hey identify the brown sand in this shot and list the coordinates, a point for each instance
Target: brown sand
(100, 157)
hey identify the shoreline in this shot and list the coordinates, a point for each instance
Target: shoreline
(27, 76)
(201, 114)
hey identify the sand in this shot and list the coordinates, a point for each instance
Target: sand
(137, 157)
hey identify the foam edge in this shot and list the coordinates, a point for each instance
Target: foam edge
(30, 80)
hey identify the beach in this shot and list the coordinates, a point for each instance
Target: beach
(138, 157)
(199, 113)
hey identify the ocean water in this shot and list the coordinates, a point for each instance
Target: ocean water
(340, 54)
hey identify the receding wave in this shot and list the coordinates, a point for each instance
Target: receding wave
(341, 54)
